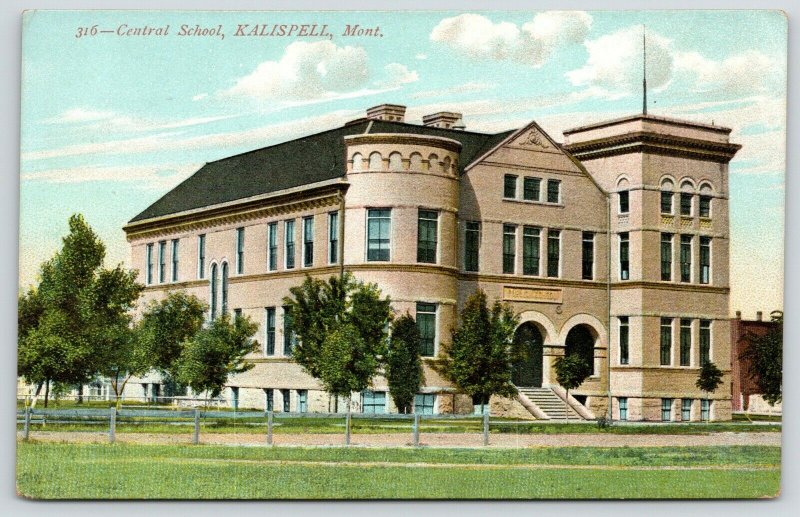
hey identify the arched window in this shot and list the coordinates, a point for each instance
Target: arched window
(624, 195)
(224, 288)
(447, 164)
(358, 162)
(395, 162)
(415, 162)
(704, 207)
(213, 291)
(375, 161)
(434, 164)
(687, 198)
(667, 187)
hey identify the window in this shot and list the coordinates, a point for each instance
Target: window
(149, 264)
(175, 260)
(427, 228)
(302, 401)
(624, 202)
(308, 241)
(224, 288)
(285, 395)
(686, 410)
(666, 202)
(509, 247)
(424, 403)
(588, 256)
(213, 296)
(686, 342)
(272, 246)
(705, 260)
(666, 341)
(201, 256)
(705, 206)
(553, 252)
(624, 256)
(624, 333)
(666, 256)
(269, 330)
(686, 258)
(686, 203)
(288, 334)
(239, 251)
(666, 410)
(269, 399)
(705, 341)
(289, 243)
(553, 191)
(237, 313)
(472, 242)
(235, 397)
(623, 408)
(373, 402)
(333, 237)
(705, 409)
(379, 229)
(509, 186)
(531, 242)
(531, 189)
(162, 262)
(426, 322)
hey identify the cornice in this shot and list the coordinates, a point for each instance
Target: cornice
(404, 138)
(654, 143)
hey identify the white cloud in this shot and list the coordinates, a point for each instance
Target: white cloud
(79, 115)
(421, 57)
(469, 87)
(199, 96)
(156, 177)
(89, 120)
(741, 74)
(532, 43)
(397, 75)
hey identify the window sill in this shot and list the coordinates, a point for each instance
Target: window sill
(532, 202)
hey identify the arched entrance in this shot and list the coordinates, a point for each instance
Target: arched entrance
(527, 369)
(580, 340)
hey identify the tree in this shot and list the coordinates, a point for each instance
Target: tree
(403, 364)
(765, 355)
(216, 352)
(166, 325)
(709, 379)
(479, 360)
(571, 371)
(77, 314)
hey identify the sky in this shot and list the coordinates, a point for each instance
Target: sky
(112, 122)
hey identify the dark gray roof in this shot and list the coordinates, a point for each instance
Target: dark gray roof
(303, 161)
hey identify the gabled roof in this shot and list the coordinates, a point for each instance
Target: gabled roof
(295, 163)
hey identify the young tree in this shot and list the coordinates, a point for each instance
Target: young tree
(765, 355)
(403, 364)
(479, 360)
(166, 325)
(571, 371)
(709, 379)
(216, 352)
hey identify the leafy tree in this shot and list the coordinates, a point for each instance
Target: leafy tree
(571, 371)
(479, 360)
(765, 355)
(709, 379)
(344, 368)
(216, 352)
(166, 325)
(403, 364)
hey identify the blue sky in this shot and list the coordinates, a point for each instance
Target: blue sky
(110, 123)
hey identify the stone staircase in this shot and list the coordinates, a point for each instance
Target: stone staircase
(549, 403)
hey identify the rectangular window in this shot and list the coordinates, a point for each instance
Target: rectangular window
(272, 246)
(666, 256)
(288, 334)
(705, 260)
(373, 402)
(624, 202)
(427, 229)
(666, 202)
(472, 243)
(553, 252)
(509, 186)
(426, 323)
(302, 401)
(509, 248)
(269, 331)
(149, 264)
(686, 203)
(686, 258)
(666, 410)
(379, 230)
(623, 408)
(286, 396)
(686, 342)
(686, 410)
(553, 191)
(666, 341)
(308, 241)
(239, 251)
(201, 256)
(705, 409)
(587, 269)
(624, 256)
(531, 242)
(237, 313)
(424, 403)
(333, 237)
(269, 399)
(624, 334)
(705, 341)
(289, 243)
(705, 206)
(175, 260)
(531, 189)
(162, 262)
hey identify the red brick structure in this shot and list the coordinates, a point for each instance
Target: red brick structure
(742, 385)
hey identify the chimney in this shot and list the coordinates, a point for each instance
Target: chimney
(759, 315)
(390, 112)
(444, 120)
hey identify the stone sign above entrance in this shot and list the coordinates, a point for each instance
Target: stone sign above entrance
(527, 294)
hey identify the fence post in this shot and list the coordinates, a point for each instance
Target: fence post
(196, 436)
(486, 428)
(347, 429)
(27, 428)
(416, 429)
(269, 427)
(112, 428)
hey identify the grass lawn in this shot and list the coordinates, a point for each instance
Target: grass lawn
(53, 470)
